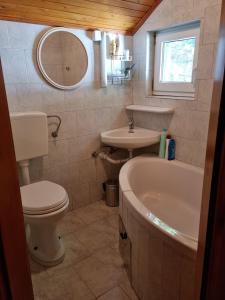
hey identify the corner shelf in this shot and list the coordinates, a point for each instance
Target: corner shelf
(121, 58)
(121, 69)
(150, 109)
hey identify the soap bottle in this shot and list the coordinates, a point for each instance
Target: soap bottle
(168, 138)
(171, 149)
(162, 146)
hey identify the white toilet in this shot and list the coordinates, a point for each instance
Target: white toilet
(44, 203)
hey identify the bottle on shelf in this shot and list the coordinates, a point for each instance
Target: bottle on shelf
(162, 146)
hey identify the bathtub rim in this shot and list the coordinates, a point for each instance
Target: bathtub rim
(141, 211)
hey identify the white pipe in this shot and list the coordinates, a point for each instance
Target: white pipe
(103, 60)
(24, 165)
(105, 156)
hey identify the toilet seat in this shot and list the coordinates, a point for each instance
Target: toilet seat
(43, 197)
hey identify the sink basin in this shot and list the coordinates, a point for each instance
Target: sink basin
(121, 138)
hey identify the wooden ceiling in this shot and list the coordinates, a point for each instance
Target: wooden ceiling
(124, 16)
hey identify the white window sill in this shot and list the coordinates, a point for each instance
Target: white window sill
(171, 97)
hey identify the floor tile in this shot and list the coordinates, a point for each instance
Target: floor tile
(39, 281)
(65, 284)
(114, 221)
(70, 223)
(109, 256)
(35, 268)
(126, 287)
(109, 209)
(75, 252)
(92, 266)
(114, 294)
(95, 212)
(97, 235)
(98, 276)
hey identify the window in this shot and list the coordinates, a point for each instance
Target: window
(176, 53)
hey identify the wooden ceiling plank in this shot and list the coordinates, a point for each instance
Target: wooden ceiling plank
(125, 16)
(147, 2)
(102, 7)
(81, 19)
(52, 21)
(72, 9)
(123, 3)
(145, 17)
(75, 19)
(144, 2)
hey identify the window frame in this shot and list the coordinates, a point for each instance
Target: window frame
(177, 89)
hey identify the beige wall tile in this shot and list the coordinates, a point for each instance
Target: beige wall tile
(206, 61)
(87, 171)
(53, 99)
(14, 65)
(211, 28)
(85, 111)
(33, 74)
(96, 191)
(86, 122)
(189, 124)
(12, 97)
(74, 99)
(81, 195)
(29, 97)
(22, 36)
(4, 35)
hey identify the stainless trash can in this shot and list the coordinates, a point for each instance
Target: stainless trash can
(112, 192)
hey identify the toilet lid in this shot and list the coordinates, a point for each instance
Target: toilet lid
(42, 197)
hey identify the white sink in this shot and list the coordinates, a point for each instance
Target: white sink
(122, 138)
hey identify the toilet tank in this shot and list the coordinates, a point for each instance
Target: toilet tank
(30, 134)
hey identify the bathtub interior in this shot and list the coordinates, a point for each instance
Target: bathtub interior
(171, 191)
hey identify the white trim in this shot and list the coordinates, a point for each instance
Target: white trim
(172, 97)
(173, 89)
(174, 94)
(41, 67)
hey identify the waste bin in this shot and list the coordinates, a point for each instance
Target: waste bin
(112, 192)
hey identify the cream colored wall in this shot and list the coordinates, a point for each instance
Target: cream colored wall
(85, 112)
(88, 110)
(189, 124)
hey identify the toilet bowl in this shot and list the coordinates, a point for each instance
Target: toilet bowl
(44, 205)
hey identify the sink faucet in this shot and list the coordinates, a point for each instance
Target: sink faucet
(131, 125)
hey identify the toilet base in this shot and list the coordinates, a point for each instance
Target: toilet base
(36, 259)
(44, 244)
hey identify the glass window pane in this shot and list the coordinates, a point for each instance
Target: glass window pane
(177, 60)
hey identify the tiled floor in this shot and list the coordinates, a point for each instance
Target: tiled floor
(92, 268)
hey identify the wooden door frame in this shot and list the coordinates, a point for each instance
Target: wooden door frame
(15, 277)
(210, 268)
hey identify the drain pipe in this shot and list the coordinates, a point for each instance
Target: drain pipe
(105, 156)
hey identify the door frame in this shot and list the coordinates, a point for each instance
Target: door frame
(210, 265)
(15, 276)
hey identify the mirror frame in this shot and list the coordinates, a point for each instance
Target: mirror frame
(39, 61)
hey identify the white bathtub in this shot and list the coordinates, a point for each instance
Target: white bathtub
(166, 194)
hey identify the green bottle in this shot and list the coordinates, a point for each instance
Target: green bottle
(162, 146)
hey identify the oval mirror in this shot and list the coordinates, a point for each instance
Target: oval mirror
(62, 58)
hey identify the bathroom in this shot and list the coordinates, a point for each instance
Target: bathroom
(105, 250)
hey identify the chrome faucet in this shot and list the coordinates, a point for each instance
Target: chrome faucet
(131, 125)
